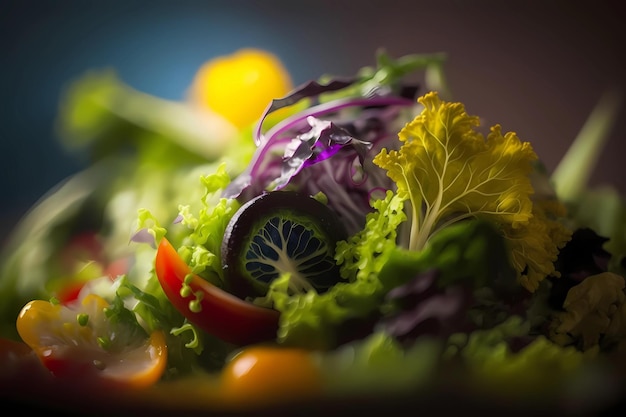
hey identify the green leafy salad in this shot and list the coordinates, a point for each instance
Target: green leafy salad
(367, 236)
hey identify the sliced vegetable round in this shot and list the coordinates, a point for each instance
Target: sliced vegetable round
(281, 232)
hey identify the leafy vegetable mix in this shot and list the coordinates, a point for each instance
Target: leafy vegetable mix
(432, 250)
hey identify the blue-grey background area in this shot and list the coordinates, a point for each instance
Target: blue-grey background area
(535, 67)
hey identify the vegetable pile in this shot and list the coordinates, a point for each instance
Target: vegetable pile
(361, 236)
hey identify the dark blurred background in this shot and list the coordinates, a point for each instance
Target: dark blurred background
(536, 67)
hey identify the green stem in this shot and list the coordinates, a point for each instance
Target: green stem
(573, 172)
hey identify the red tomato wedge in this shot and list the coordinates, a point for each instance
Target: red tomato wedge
(221, 314)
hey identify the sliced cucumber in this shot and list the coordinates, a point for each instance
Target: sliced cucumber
(281, 232)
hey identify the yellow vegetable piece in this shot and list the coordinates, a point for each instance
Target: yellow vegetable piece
(240, 86)
(265, 375)
(78, 341)
(449, 171)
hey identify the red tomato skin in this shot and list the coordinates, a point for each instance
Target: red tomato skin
(70, 292)
(222, 314)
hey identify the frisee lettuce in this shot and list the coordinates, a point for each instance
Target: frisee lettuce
(357, 366)
(199, 227)
(495, 367)
(449, 172)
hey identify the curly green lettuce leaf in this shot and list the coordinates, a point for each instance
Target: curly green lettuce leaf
(360, 366)
(199, 226)
(497, 368)
(364, 254)
(450, 172)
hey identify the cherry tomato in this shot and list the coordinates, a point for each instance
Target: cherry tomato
(210, 308)
(271, 375)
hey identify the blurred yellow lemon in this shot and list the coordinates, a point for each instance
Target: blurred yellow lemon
(240, 86)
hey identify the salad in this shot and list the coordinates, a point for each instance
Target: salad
(358, 239)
